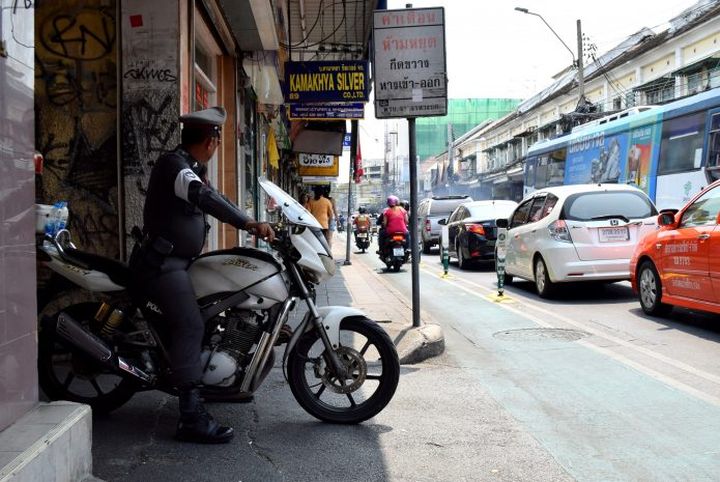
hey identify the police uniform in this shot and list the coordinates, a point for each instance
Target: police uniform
(175, 226)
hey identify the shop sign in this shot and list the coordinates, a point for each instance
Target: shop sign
(326, 81)
(318, 165)
(338, 111)
(409, 63)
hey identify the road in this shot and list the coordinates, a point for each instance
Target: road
(580, 388)
(611, 393)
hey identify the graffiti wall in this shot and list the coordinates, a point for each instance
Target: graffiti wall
(151, 95)
(76, 116)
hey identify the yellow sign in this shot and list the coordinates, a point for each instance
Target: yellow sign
(318, 165)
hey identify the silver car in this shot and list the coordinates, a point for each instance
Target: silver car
(582, 232)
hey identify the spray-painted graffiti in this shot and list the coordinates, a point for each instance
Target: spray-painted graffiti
(76, 127)
(147, 72)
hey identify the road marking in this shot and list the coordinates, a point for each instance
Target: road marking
(669, 361)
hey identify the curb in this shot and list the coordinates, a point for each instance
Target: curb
(413, 344)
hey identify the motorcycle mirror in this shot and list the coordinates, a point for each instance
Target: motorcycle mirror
(442, 222)
(501, 223)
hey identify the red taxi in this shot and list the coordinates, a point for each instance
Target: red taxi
(679, 264)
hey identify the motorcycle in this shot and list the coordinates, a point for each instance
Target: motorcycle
(393, 252)
(108, 343)
(362, 238)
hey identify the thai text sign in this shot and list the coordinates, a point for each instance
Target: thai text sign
(331, 81)
(330, 111)
(318, 165)
(409, 63)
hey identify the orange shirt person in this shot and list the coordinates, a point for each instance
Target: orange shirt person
(321, 208)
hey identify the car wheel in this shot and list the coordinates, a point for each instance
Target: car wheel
(545, 286)
(650, 291)
(425, 248)
(462, 262)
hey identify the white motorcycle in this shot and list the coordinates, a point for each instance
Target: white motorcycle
(109, 343)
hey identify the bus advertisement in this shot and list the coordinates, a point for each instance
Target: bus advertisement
(670, 151)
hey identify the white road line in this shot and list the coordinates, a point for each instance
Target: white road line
(669, 361)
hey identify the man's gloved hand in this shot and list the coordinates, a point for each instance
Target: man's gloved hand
(261, 230)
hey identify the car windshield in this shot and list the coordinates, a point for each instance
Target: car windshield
(491, 211)
(608, 204)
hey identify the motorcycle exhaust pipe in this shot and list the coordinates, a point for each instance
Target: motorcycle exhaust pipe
(75, 334)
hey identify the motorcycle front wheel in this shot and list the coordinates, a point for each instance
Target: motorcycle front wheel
(373, 372)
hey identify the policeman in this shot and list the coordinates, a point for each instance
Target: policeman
(178, 200)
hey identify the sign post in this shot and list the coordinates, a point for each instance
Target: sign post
(410, 81)
(500, 250)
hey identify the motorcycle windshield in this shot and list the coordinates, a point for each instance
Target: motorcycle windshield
(293, 210)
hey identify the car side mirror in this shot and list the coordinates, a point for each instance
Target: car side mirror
(501, 223)
(666, 218)
(443, 221)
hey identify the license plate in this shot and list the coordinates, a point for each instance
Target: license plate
(611, 235)
(398, 252)
(362, 235)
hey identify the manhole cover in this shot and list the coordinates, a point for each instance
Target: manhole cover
(539, 334)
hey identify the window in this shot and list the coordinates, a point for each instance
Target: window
(550, 170)
(704, 211)
(550, 203)
(681, 147)
(536, 209)
(714, 143)
(608, 204)
(520, 216)
(530, 171)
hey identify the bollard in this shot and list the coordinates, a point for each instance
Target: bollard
(445, 250)
(445, 257)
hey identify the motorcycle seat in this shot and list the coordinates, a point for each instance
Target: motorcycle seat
(116, 270)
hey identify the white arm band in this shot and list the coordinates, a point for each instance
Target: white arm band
(182, 183)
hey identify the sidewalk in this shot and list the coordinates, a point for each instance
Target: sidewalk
(359, 286)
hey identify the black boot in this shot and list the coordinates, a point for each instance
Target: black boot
(196, 424)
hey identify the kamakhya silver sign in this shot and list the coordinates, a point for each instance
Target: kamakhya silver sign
(409, 63)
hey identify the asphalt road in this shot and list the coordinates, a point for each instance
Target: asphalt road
(579, 388)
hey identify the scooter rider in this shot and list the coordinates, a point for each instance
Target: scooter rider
(362, 221)
(175, 226)
(394, 220)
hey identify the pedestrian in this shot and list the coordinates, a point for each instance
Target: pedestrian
(321, 208)
(178, 200)
(332, 225)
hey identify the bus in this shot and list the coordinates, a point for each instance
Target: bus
(670, 151)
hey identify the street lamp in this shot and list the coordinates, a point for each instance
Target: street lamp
(525, 10)
(576, 63)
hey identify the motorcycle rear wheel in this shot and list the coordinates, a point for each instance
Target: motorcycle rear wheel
(67, 374)
(374, 372)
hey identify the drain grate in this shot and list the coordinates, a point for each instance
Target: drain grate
(540, 334)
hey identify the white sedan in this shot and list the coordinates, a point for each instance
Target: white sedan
(584, 232)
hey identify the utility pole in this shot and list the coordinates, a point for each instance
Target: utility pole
(581, 74)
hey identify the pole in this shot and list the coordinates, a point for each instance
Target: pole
(415, 252)
(581, 74)
(351, 175)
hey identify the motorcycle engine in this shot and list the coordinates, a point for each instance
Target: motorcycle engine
(228, 348)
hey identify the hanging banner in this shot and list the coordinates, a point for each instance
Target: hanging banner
(318, 165)
(347, 111)
(409, 63)
(328, 81)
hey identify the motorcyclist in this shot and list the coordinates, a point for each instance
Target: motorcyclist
(175, 226)
(394, 220)
(361, 221)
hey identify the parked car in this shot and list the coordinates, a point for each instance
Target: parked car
(679, 264)
(429, 212)
(471, 229)
(584, 232)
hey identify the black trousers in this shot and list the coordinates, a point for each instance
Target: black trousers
(165, 282)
